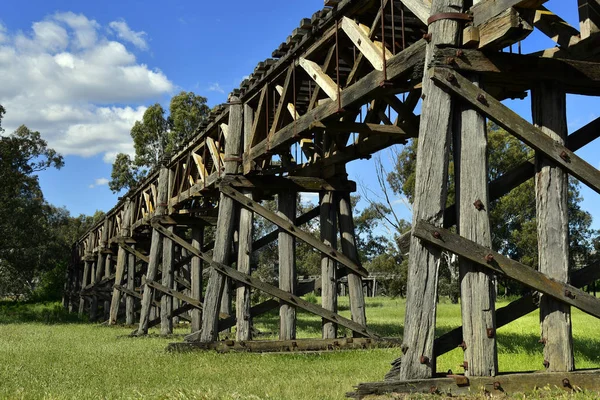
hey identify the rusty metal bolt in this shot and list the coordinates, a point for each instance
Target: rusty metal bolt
(569, 294)
(433, 390)
(546, 364)
(481, 98)
(451, 78)
(424, 360)
(466, 365)
(437, 235)
(463, 345)
(427, 37)
(491, 332)
(450, 60)
(423, 96)
(479, 205)
(459, 53)
(566, 383)
(565, 156)
(489, 258)
(542, 341)
(497, 386)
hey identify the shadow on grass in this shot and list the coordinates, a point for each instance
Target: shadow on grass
(12, 312)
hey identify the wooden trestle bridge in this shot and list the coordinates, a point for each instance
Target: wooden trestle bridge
(344, 85)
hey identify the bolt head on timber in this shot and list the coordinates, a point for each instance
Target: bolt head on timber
(427, 37)
(424, 360)
(489, 258)
(437, 235)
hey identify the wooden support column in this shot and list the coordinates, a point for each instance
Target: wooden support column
(99, 269)
(286, 206)
(87, 270)
(130, 300)
(225, 227)
(429, 204)
(478, 295)
(122, 257)
(348, 243)
(196, 276)
(107, 272)
(166, 301)
(328, 265)
(155, 251)
(549, 114)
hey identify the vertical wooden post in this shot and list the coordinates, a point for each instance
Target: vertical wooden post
(99, 268)
(155, 251)
(87, 269)
(242, 309)
(348, 244)
(225, 227)
(196, 275)
(286, 205)
(130, 300)
(549, 113)
(478, 296)
(168, 255)
(429, 203)
(328, 265)
(121, 263)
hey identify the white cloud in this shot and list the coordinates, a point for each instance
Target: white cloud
(215, 87)
(99, 182)
(122, 30)
(71, 83)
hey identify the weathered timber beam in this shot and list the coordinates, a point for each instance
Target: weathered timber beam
(523, 71)
(277, 346)
(502, 385)
(363, 43)
(556, 28)
(500, 264)
(399, 65)
(176, 313)
(513, 123)
(320, 77)
(589, 17)
(135, 252)
(101, 282)
(135, 294)
(185, 220)
(265, 287)
(368, 129)
(295, 183)
(488, 9)
(161, 288)
(516, 309)
(294, 230)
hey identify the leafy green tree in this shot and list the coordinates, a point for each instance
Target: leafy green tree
(156, 135)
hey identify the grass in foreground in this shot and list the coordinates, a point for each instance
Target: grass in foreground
(45, 354)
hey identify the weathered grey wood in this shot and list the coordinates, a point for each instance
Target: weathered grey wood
(87, 270)
(243, 292)
(155, 252)
(286, 206)
(519, 127)
(549, 110)
(294, 230)
(348, 244)
(282, 346)
(488, 9)
(121, 263)
(99, 268)
(328, 265)
(501, 386)
(429, 204)
(196, 276)
(267, 288)
(166, 301)
(589, 17)
(503, 265)
(289, 183)
(476, 286)
(130, 300)
(225, 227)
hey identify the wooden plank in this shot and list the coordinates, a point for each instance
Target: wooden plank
(363, 43)
(421, 8)
(130, 300)
(589, 17)
(324, 81)
(289, 183)
(522, 72)
(265, 287)
(556, 28)
(258, 131)
(120, 268)
(503, 30)
(243, 292)
(429, 203)
(488, 9)
(286, 208)
(196, 276)
(549, 106)
(563, 292)
(516, 125)
(215, 154)
(328, 230)
(279, 346)
(502, 385)
(135, 252)
(286, 94)
(168, 255)
(293, 230)
(369, 129)
(477, 291)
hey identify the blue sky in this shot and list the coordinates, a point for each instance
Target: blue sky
(82, 72)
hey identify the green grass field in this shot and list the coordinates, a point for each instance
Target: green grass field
(45, 354)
